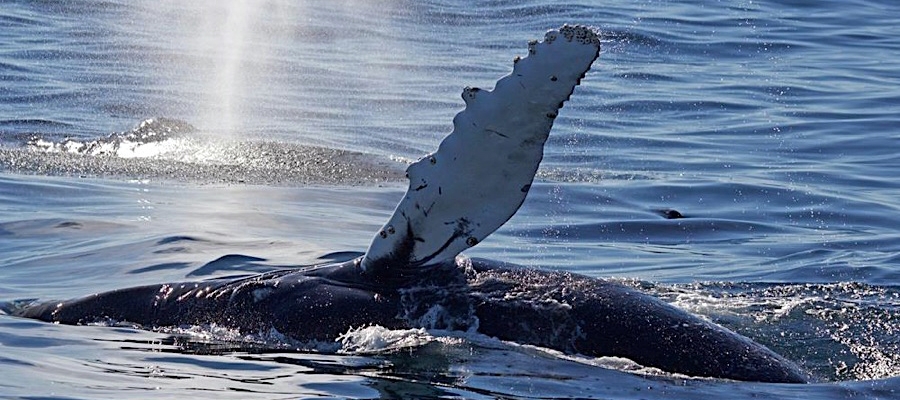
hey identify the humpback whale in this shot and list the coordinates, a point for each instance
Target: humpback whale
(412, 274)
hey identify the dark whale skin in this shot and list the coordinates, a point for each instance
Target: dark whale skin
(613, 320)
(568, 312)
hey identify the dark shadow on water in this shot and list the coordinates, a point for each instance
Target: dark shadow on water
(176, 239)
(227, 263)
(233, 262)
(161, 267)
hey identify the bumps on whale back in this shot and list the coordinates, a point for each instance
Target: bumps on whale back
(481, 172)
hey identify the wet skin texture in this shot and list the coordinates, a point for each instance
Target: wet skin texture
(563, 311)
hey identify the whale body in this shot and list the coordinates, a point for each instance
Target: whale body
(412, 274)
(568, 312)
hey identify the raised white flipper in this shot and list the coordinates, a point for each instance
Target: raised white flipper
(483, 170)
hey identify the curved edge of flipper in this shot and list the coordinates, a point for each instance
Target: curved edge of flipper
(482, 171)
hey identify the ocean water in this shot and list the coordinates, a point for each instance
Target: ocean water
(169, 141)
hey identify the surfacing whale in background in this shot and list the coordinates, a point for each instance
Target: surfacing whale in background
(412, 276)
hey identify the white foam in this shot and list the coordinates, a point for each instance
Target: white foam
(376, 339)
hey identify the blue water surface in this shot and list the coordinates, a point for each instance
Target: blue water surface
(167, 141)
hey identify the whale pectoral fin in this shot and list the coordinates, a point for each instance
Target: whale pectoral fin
(482, 171)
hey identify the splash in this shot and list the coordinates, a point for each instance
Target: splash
(843, 330)
(377, 339)
(152, 137)
(171, 149)
(217, 339)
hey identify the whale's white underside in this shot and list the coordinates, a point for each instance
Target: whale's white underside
(482, 171)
